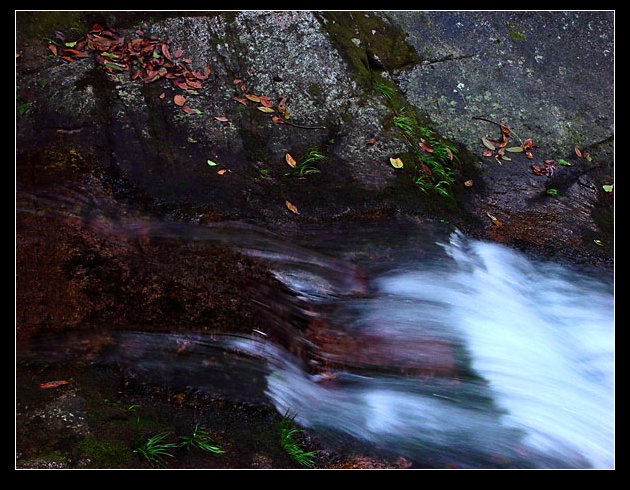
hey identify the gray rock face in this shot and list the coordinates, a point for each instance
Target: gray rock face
(548, 76)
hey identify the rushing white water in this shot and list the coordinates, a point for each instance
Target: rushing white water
(540, 336)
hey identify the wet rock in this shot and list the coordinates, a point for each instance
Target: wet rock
(66, 413)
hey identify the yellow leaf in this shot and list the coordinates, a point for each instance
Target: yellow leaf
(265, 109)
(488, 144)
(253, 98)
(291, 207)
(290, 160)
(494, 220)
(222, 171)
(396, 162)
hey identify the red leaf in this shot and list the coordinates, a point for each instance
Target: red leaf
(487, 153)
(166, 52)
(266, 102)
(550, 162)
(180, 84)
(53, 48)
(70, 60)
(206, 71)
(578, 152)
(244, 88)
(193, 84)
(528, 143)
(187, 60)
(137, 74)
(139, 32)
(505, 131)
(426, 170)
(178, 53)
(199, 76)
(221, 118)
(78, 54)
(236, 81)
(179, 100)
(241, 100)
(504, 140)
(53, 384)
(529, 154)
(97, 28)
(425, 147)
(277, 120)
(188, 110)
(371, 141)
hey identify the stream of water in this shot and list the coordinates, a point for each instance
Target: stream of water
(435, 347)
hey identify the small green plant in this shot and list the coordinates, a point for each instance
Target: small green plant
(288, 442)
(154, 450)
(308, 162)
(200, 439)
(552, 192)
(24, 108)
(385, 90)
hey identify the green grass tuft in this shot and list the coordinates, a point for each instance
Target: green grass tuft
(154, 450)
(308, 163)
(288, 441)
(200, 439)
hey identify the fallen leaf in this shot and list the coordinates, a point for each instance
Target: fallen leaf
(69, 59)
(488, 144)
(244, 88)
(277, 120)
(211, 163)
(587, 156)
(468, 183)
(487, 153)
(426, 169)
(424, 146)
(528, 143)
(266, 102)
(166, 52)
(193, 84)
(139, 32)
(252, 97)
(178, 53)
(501, 152)
(290, 160)
(505, 157)
(70, 45)
(608, 187)
(60, 35)
(221, 118)
(564, 163)
(552, 192)
(529, 154)
(504, 130)
(598, 242)
(241, 100)
(190, 110)
(53, 49)
(187, 60)
(291, 207)
(282, 105)
(396, 162)
(179, 100)
(504, 141)
(265, 109)
(550, 162)
(514, 149)
(494, 220)
(578, 152)
(449, 153)
(53, 384)
(222, 171)
(371, 141)
(162, 95)
(236, 81)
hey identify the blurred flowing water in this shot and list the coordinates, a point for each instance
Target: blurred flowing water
(415, 341)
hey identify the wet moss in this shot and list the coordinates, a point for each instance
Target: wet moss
(38, 25)
(515, 32)
(314, 90)
(105, 454)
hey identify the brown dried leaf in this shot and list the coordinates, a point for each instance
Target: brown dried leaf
(550, 162)
(468, 183)
(528, 143)
(189, 110)
(222, 171)
(166, 52)
(277, 120)
(266, 102)
(578, 152)
(282, 105)
(529, 154)
(504, 141)
(291, 207)
(193, 84)
(179, 100)
(252, 97)
(426, 170)
(488, 144)
(487, 153)
(505, 131)
(290, 160)
(265, 109)
(162, 95)
(501, 152)
(450, 154)
(221, 118)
